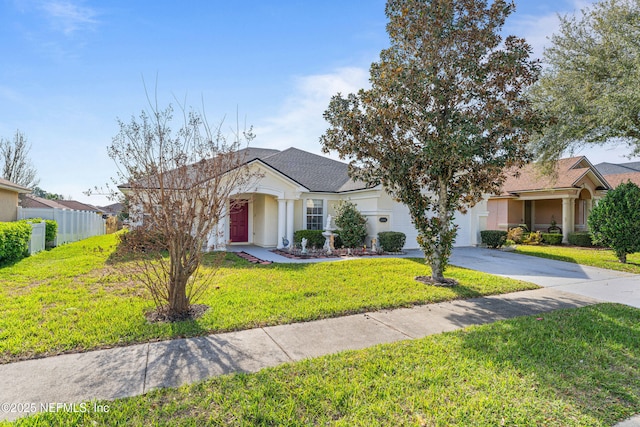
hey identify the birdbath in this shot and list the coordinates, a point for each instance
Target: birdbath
(329, 236)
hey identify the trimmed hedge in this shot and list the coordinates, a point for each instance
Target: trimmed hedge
(552, 238)
(314, 238)
(493, 238)
(391, 241)
(582, 238)
(14, 240)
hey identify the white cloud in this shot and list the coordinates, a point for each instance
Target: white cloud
(538, 29)
(69, 17)
(299, 122)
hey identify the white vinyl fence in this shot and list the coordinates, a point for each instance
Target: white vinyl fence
(38, 231)
(72, 225)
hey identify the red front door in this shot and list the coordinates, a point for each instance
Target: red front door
(239, 222)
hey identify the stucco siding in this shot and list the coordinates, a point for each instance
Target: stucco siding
(8, 205)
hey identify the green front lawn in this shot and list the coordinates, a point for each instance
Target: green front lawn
(578, 367)
(73, 299)
(595, 257)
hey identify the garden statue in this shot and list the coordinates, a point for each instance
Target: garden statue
(285, 243)
(304, 245)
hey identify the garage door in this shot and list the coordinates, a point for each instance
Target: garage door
(401, 221)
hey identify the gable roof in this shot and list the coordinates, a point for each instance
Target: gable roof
(11, 186)
(31, 201)
(78, 206)
(619, 178)
(316, 173)
(113, 209)
(617, 173)
(617, 168)
(567, 174)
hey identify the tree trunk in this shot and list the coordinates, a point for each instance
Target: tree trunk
(622, 257)
(440, 251)
(178, 303)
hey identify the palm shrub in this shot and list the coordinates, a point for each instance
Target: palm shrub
(615, 221)
(352, 225)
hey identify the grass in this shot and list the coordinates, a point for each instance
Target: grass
(578, 367)
(594, 257)
(72, 299)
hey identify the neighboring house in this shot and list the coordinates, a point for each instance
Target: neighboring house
(79, 206)
(538, 200)
(9, 196)
(616, 174)
(113, 209)
(298, 189)
(31, 201)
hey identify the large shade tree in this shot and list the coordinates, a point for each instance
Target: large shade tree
(590, 89)
(444, 115)
(179, 185)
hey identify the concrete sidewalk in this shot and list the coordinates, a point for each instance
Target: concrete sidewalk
(134, 370)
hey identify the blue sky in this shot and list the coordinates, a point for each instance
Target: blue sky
(71, 67)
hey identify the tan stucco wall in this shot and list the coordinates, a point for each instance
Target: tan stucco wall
(545, 211)
(498, 214)
(8, 205)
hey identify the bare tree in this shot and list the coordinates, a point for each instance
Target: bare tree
(179, 184)
(17, 166)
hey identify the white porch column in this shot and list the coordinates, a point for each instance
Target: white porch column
(567, 218)
(290, 221)
(281, 222)
(587, 212)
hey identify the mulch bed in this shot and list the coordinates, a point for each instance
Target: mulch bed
(427, 280)
(338, 253)
(161, 315)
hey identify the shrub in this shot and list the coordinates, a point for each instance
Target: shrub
(141, 240)
(552, 238)
(51, 231)
(615, 220)
(391, 241)
(352, 225)
(515, 234)
(314, 238)
(14, 240)
(582, 238)
(533, 238)
(493, 238)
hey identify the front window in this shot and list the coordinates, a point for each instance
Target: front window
(314, 214)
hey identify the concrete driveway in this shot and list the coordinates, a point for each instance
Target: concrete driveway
(598, 283)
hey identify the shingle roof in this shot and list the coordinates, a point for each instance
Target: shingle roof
(8, 185)
(113, 209)
(617, 168)
(530, 178)
(78, 206)
(616, 179)
(31, 201)
(316, 173)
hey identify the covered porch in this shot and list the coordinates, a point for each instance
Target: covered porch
(541, 201)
